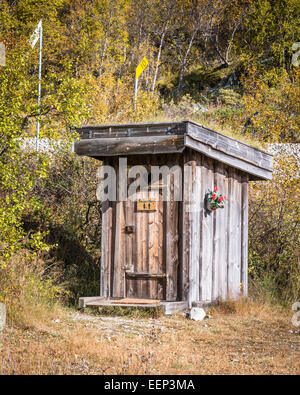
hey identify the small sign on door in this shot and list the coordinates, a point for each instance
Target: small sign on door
(146, 205)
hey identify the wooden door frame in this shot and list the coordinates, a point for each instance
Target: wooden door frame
(172, 268)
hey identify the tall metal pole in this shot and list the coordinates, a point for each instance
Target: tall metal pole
(39, 86)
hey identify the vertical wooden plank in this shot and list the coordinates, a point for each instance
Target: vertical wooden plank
(104, 239)
(195, 209)
(216, 242)
(180, 247)
(220, 240)
(160, 262)
(119, 226)
(146, 283)
(202, 214)
(144, 256)
(131, 284)
(135, 246)
(234, 235)
(230, 230)
(106, 245)
(238, 204)
(229, 214)
(109, 245)
(244, 252)
(123, 250)
(171, 246)
(153, 244)
(153, 240)
(185, 253)
(216, 232)
(119, 244)
(207, 177)
(129, 220)
(139, 248)
(106, 249)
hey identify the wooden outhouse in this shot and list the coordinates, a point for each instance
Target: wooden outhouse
(174, 251)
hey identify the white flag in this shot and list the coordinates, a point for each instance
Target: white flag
(35, 35)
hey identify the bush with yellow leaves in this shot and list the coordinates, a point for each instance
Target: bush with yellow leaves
(272, 104)
(274, 232)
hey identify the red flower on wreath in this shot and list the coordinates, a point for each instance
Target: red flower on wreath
(215, 200)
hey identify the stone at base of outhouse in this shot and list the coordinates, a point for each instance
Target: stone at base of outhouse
(90, 301)
(167, 308)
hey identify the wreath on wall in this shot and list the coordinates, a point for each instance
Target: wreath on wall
(215, 200)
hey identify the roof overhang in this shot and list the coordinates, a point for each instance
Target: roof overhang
(168, 137)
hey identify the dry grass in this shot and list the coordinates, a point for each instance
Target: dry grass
(211, 124)
(240, 338)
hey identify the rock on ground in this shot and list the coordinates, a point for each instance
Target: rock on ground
(197, 314)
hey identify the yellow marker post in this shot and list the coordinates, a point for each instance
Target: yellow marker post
(141, 67)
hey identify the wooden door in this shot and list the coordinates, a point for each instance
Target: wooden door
(143, 256)
(145, 272)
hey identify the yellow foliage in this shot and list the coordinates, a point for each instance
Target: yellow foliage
(274, 230)
(112, 101)
(273, 103)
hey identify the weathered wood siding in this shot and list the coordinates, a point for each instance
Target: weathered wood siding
(152, 249)
(203, 255)
(215, 244)
(106, 246)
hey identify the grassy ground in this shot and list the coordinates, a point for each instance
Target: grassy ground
(243, 338)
